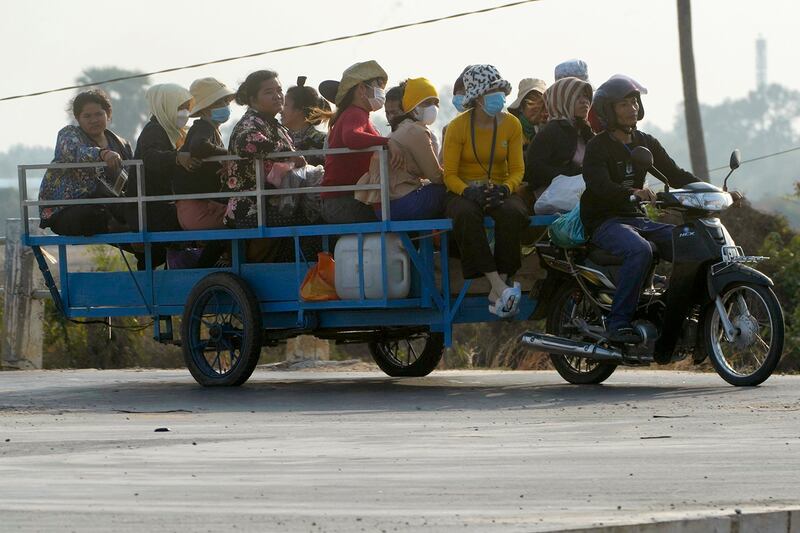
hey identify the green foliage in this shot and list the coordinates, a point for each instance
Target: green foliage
(784, 268)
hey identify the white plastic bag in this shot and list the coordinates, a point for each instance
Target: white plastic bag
(561, 196)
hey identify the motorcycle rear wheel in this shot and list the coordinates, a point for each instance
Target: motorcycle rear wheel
(751, 357)
(570, 302)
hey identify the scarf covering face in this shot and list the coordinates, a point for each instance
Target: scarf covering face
(561, 97)
(164, 100)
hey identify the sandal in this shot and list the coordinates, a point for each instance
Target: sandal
(508, 303)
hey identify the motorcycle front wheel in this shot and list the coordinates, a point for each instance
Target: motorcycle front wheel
(751, 356)
(569, 303)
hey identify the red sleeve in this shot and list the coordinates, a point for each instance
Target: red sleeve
(358, 133)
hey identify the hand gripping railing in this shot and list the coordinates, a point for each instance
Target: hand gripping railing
(259, 193)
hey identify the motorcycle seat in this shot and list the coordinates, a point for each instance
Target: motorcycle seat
(602, 257)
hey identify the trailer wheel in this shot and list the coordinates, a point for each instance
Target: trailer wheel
(221, 331)
(414, 356)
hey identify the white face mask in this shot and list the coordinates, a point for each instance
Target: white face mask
(182, 119)
(378, 98)
(426, 115)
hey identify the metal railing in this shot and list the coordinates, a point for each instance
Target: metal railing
(259, 193)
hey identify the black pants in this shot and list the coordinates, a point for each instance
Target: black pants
(82, 220)
(161, 216)
(510, 219)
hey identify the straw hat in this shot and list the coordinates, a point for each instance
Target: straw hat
(355, 74)
(525, 86)
(206, 91)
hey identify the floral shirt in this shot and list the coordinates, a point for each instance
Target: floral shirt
(310, 138)
(256, 134)
(74, 146)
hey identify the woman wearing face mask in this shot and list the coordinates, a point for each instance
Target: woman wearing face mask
(212, 100)
(529, 108)
(558, 149)
(157, 146)
(299, 103)
(416, 190)
(359, 93)
(482, 168)
(89, 142)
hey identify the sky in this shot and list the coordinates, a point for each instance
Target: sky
(47, 45)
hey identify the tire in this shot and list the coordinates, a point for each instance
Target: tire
(756, 350)
(413, 356)
(570, 299)
(221, 331)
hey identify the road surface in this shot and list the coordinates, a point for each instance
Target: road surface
(358, 451)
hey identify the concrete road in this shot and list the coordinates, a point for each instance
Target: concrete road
(456, 451)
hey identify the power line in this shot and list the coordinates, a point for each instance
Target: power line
(274, 50)
(759, 158)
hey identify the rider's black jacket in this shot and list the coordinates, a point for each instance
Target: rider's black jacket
(611, 177)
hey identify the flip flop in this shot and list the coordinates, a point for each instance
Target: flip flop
(508, 303)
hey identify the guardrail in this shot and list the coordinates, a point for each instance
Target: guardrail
(259, 193)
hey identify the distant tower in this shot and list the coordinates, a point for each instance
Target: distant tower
(761, 62)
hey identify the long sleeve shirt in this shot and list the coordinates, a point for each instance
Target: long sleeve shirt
(462, 168)
(353, 130)
(611, 177)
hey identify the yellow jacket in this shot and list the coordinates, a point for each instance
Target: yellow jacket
(460, 166)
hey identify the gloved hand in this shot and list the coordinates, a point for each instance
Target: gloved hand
(476, 193)
(496, 195)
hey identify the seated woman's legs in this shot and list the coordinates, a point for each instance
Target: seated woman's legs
(200, 214)
(425, 203)
(470, 236)
(81, 220)
(346, 210)
(511, 219)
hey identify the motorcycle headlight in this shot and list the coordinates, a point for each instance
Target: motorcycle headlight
(707, 201)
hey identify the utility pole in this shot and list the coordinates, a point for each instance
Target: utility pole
(694, 124)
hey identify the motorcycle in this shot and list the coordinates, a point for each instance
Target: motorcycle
(712, 305)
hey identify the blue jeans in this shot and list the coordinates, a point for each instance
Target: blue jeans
(628, 238)
(422, 204)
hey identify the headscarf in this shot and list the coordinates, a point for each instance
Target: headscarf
(561, 97)
(164, 100)
(574, 68)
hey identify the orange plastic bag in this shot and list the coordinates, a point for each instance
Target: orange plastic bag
(319, 284)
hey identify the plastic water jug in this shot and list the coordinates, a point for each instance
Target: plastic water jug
(397, 265)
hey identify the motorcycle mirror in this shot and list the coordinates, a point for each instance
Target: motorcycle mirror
(642, 157)
(736, 159)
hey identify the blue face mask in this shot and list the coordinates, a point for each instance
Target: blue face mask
(493, 103)
(221, 114)
(458, 102)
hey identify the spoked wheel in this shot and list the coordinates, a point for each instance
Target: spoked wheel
(752, 354)
(569, 303)
(221, 331)
(413, 356)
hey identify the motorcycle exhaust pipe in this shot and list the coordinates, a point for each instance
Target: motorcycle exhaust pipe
(560, 345)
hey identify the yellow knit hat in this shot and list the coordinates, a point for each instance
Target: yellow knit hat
(417, 91)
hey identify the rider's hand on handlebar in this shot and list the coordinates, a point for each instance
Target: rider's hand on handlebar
(644, 195)
(737, 197)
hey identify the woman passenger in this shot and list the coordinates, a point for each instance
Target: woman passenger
(416, 190)
(482, 168)
(299, 103)
(212, 100)
(559, 148)
(89, 142)
(529, 108)
(359, 93)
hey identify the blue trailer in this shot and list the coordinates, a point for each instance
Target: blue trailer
(229, 314)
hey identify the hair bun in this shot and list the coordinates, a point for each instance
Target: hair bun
(301, 81)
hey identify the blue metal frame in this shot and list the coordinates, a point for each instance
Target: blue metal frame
(163, 293)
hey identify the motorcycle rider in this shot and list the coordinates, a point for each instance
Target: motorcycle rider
(610, 211)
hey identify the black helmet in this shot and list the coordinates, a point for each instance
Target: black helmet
(615, 90)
